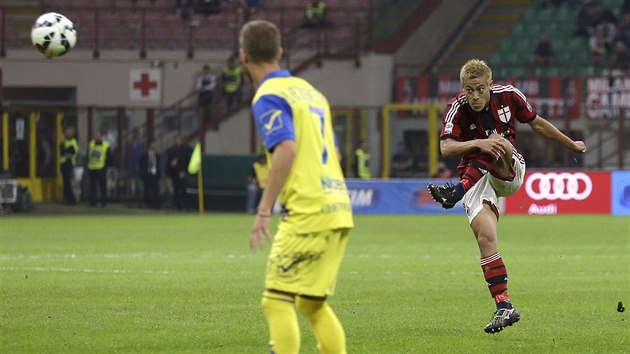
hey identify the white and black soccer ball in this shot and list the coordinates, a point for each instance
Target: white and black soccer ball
(53, 34)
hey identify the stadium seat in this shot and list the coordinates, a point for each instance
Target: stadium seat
(519, 31)
(585, 71)
(515, 58)
(566, 16)
(497, 59)
(517, 71)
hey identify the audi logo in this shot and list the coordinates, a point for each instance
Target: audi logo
(562, 186)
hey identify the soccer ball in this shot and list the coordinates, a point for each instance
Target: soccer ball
(53, 34)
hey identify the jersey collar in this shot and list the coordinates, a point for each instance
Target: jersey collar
(277, 73)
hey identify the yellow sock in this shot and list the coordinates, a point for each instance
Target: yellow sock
(284, 331)
(331, 339)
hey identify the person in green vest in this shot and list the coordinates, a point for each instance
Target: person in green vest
(362, 161)
(232, 79)
(99, 157)
(315, 14)
(256, 182)
(69, 151)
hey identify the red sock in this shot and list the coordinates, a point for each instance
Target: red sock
(476, 169)
(496, 278)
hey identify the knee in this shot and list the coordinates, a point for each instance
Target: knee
(309, 307)
(487, 241)
(484, 239)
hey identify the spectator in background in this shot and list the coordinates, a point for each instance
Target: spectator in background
(362, 161)
(600, 14)
(623, 30)
(256, 182)
(99, 159)
(583, 21)
(621, 62)
(149, 166)
(597, 43)
(177, 159)
(232, 81)
(135, 148)
(206, 84)
(543, 53)
(402, 161)
(558, 3)
(182, 9)
(69, 151)
(609, 32)
(315, 14)
(208, 7)
(248, 8)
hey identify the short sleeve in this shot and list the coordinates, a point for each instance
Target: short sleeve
(450, 125)
(525, 112)
(273, 117)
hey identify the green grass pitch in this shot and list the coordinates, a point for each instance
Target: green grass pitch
(409, 284)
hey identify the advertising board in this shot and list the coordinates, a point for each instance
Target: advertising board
(562, 192)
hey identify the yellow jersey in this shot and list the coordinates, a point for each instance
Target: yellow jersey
(314, 196)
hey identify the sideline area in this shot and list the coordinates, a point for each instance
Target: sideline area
(84, 209)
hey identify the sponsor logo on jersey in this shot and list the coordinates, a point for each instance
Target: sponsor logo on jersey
(329, 183)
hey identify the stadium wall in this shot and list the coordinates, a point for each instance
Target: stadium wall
(106, 82)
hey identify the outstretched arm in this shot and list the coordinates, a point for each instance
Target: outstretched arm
(541, 126)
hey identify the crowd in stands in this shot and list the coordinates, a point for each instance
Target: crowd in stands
(608, 36)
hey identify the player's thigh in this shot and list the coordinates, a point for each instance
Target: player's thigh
(480, 193)
(507, 188)
(306, 263)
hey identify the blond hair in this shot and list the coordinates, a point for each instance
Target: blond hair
(473, 69)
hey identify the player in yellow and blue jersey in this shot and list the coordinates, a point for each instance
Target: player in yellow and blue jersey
(294, 121)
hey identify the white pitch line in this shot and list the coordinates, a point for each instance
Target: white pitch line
(87, 270)
(6, 257)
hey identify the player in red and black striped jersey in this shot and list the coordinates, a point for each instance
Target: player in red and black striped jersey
(479, 126)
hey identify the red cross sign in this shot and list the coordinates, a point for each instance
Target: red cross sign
(145, 84)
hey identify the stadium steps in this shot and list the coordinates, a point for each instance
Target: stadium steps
(485, 34)
(389, 15)
(20, 16)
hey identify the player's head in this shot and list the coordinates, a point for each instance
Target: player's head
(260, 43)
(476, 79)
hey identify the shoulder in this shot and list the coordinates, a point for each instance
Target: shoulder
(456, 106)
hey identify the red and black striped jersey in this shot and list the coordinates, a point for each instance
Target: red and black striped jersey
(507, 105)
